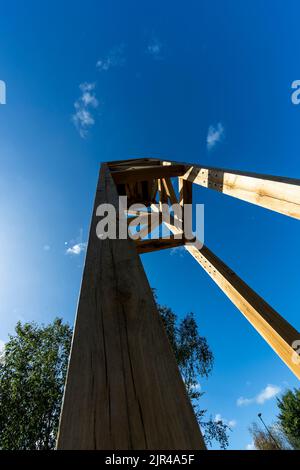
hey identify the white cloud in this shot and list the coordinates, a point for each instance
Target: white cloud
(76, 249)
(2, 344)
(250, 446)
(214, 135)
(115, 58)
(244, 401)
(179, 250)
(83, 117)
(154, 48)
(231, 423)
(270, 391)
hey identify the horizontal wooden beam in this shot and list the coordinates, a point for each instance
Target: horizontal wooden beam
(131, 165)
(279, 194)
(147, 246)
(130, 161)
(147, 173)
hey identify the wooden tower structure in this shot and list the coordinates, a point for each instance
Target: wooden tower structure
(123, 388)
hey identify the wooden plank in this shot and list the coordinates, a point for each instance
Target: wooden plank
(123, 388)
(134, 221)
(147, 173)
(152, 190)
(131, 161)
(279, 194)
(147, 246)
(132, 165)
(137, 213)
(162, 195)
(150, 224)
(276, 331)
(167, 183)
(129, 188)
(159, 192)
(185, 188)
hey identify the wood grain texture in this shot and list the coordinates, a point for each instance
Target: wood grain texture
(275, 193)
(167, 183)
(147, 246)
(185, 189)
(147, 173)
(276, 331)
(123, 388)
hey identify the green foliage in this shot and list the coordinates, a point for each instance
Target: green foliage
(285, 433)
(32, 374)
(289, 417)
(195, 360)
(33, 368)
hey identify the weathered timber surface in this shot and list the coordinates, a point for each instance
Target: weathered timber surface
(123, 388)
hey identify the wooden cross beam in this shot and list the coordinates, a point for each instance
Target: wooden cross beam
(145, 173)
(276, 193)
(147, 246)
(276, 331)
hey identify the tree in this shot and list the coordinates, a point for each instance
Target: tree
(32, 375)
(264, 440)
(33, 369)
(195, 360)
(289, 416)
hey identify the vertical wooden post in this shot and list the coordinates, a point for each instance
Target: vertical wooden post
(123, 389)
(185, 191)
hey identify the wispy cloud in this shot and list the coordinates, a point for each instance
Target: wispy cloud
(2, 344)
(270, 391)
(46, 247)
(115, 58)
(231, 423)
(76, 249)
(154, 47)
(244, 401)
(250, 446)
(214, 135)
(179, 251)
(83, 118)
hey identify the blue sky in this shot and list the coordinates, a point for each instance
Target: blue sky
(203, 81)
